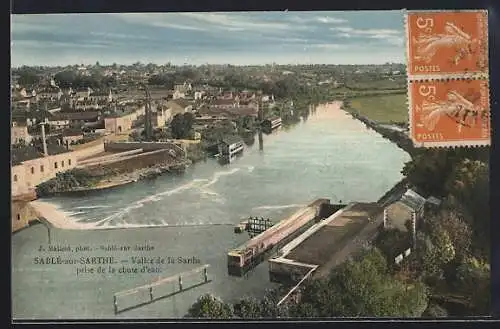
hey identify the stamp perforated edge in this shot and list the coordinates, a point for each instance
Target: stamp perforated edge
(468, 75)
(447, 144)
(463, 76)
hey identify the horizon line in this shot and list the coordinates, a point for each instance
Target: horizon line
(204, 64)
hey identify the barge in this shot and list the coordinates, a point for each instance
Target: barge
(246, 257)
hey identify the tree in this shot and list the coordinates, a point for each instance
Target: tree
(444, 246)
(208, 306)
(474, 280)
(435, 311)
(469, 185)
(304, 310)
(27, 77)
(428, 171)
(65, 79)
(248, 308)
(167, 80)
(454, 224)
(390, 241)
(363, 287)
(181, 125)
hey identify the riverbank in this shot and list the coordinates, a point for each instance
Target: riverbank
(395, 134)
(63, 185)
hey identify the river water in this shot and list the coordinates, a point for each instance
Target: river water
(329, 155)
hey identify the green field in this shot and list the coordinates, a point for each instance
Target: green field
(382, 108)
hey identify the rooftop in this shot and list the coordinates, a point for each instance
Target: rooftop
(100, 93)
(121, 112)
(26, 153)
(231, 140)
(180, 102)
(333, 233)
(88, 115)
(413, 200)
(72, 132)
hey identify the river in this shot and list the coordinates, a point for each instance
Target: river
(329, 155)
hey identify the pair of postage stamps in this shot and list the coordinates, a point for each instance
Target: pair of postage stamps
(447, 65)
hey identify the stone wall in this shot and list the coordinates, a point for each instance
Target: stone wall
(132, 163)
(21, 213)
(146, 146)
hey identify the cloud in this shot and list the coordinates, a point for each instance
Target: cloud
(208, 21)
(352, 31)
(55, 44)
(120, 36)
(157, 20)
(392, 39)
(331, 20)
(391, 36)
(328, 46)
(315, 19)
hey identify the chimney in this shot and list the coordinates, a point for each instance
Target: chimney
(44, 142)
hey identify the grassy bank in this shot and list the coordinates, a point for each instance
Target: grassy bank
(391, 108)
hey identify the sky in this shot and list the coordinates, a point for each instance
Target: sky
(237, 38)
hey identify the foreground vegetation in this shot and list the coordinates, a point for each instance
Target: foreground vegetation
(359, 287)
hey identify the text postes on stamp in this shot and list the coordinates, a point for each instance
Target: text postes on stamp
(447, 42)
(447, 113)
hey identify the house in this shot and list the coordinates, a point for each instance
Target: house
(406, 213)
(248, 103)
(122, 120)
(179, 106)
(65, 119)
(199, 95)
(82, 93)
(71, 136)
(228, 112)
(271, 123)
(101, 95)
(23, 118)
(230, 146)
(30, 166)
(183, 88)
(160, 117)
(51, 93)
(178, 95)
(23, 104)
(19, 133)
(225, 103)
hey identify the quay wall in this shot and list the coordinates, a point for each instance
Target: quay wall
(134, 162)
(146, 146)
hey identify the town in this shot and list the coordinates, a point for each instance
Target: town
(91, 127)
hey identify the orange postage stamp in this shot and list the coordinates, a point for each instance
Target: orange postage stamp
(447, 113)
(447, 42)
